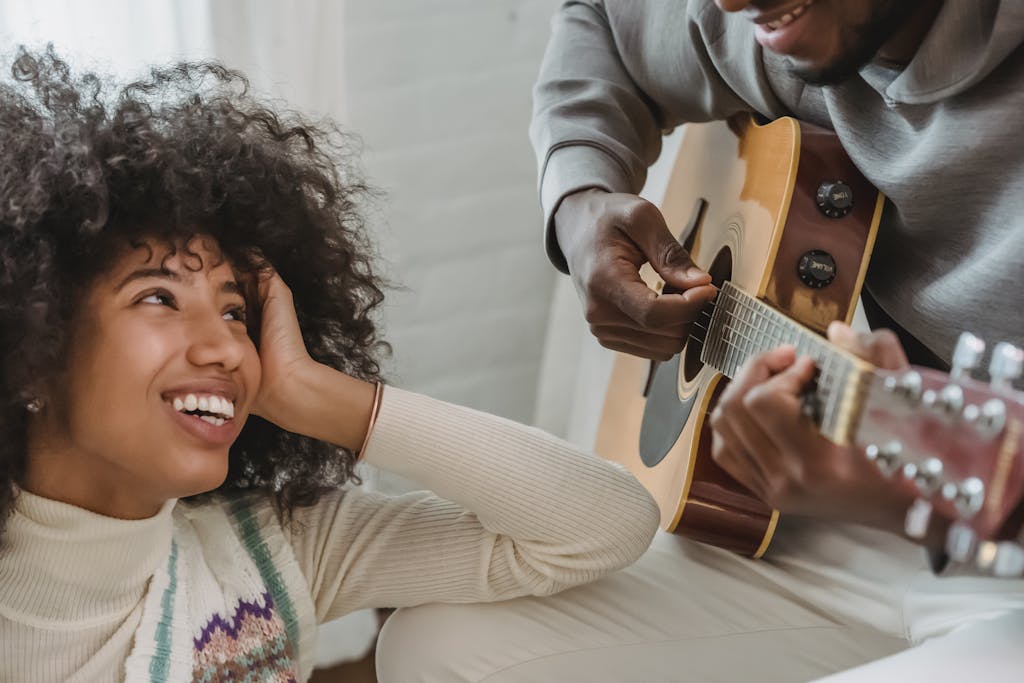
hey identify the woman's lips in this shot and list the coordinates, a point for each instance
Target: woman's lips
(212, 434)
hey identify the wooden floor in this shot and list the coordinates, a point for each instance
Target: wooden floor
(349, 672)
(353, 672)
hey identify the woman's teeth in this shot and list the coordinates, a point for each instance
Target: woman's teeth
(789, 17)
(220, 408)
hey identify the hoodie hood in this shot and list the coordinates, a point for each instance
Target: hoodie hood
(968, 40)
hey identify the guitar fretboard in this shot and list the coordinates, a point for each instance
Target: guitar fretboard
(743, 326)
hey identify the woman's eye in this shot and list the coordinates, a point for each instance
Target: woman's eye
(158, 298)
(237, 313)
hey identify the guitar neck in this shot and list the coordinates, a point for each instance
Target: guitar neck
(742, 326)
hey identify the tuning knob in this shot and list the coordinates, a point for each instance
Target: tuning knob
(960, 542)
(967, 355)
(985, 555)
(1004, 559)
(918, 516)
(1008, 561)
(1006, 365)
(888, 457)
(989, 418)
(947, 402)
(907, 385)
(926, 475)
(834, 199)
(968, 496)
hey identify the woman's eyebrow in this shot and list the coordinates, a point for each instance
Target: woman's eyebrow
(232, 287)
(143, 273)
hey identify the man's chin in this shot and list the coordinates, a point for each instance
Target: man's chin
(834, 73)
(863, 43)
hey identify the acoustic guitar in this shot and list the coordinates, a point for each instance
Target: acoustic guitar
(784, 223)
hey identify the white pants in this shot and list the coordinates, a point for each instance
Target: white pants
(824, 600)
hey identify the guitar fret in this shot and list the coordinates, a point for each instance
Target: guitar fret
(741, 327)
(826, 385)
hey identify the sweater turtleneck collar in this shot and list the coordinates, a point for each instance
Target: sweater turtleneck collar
(63, 567)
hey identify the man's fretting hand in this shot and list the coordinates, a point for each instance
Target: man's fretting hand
(762, 438)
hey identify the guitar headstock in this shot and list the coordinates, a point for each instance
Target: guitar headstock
(961, 442)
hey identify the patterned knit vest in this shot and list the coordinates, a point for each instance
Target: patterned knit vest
(250, 632)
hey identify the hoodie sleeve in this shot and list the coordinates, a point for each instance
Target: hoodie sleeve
(617, 75)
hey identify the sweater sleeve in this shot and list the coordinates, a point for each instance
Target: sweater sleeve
(510, 511)
(617, 75)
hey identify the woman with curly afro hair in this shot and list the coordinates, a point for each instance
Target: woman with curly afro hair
(189, 371)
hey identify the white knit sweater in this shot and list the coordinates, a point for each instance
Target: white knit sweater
(201, 592)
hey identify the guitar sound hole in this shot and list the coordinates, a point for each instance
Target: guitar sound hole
(720, 271)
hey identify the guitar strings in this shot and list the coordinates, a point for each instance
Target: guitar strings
(766, 325)
(832, 367)
(706, 312)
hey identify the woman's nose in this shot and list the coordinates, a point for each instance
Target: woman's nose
(213, 342)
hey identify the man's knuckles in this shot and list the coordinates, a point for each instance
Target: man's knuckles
(637, 216)
(761, 398)
(884, 349)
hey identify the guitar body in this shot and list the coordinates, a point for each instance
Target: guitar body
(743, 199)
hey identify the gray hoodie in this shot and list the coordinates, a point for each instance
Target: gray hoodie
(942, 137)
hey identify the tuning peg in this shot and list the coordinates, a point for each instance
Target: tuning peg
(989, 418)
(1006, 365)
(968, 496)
(1009, 561)
(985, 555)
(1000, 558)
(888, 457)
(960, 542)
(967, 355)
(947, 402)
(907, 385)
(919, 514)
(926, 475)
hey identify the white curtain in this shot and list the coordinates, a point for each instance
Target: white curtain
(117, 36)
(291, 50)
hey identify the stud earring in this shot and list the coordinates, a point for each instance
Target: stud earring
(34, 406)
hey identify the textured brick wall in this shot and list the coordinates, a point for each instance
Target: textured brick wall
(440, 92)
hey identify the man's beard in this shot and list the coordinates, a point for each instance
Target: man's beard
(885, 20)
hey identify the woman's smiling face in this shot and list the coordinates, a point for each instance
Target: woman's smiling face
(160, 378)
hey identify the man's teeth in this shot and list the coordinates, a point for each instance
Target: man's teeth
(789, 17)
(223, 409)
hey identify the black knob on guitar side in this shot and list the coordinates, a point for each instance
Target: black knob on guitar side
(835, 199)
(816, 269)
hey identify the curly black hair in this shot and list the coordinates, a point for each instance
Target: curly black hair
(88, 167)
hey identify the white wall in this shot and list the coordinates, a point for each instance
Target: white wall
(440, 92)
(575, 369)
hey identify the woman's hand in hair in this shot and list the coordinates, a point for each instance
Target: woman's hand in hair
(298, 393)
(283, 354)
